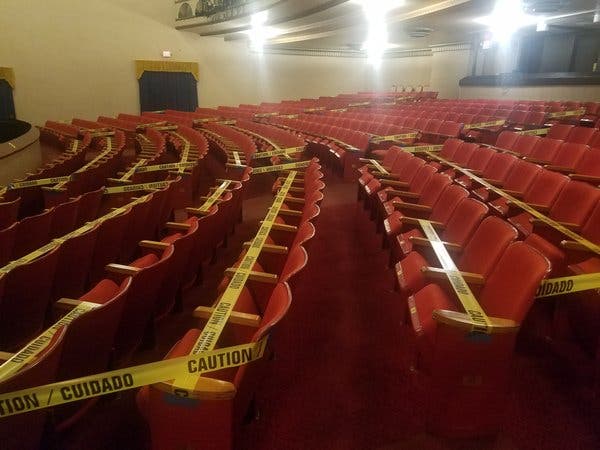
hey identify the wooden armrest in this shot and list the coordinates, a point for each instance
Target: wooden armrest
(262, 277)
(539, 222)
(562, 169)
(395, 183)
(269, 248)
(154, 245)
(290, 212)
(299, 200)
(588, 178)
(296, 189)
(392, 192)
(236, 317)
(574, 245)
(206, 197)
(406, 194)
(415, 221)
(437, 273)
(387, 176)
(178, 226)
(424, 242)
(413, 207)
(283, 227)
(461, 320)
(66, 304)
(122, 269)
(4, 356)
(206, 389)
(196, 212)
(535, 160)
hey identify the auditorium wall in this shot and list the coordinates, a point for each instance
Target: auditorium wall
(75, 61)
(72, 60)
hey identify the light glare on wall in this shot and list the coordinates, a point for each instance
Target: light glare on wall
(507, 17)
(258, 32)
(377, 37)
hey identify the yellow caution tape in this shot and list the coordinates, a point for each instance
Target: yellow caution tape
(151, 124)
(524, 206)
(353, 105)
(237, 159)
(278, 167)
(132, 170)
(480, 320)
(567, 285)
(184, 153)
(160, 167)
(77, 389)
(137, 187)
(290, 116)
(37, 345)
(107, 151)
(96, 134)
(166, 128)
(40, 182)
(216, 322)
(378, 166)
(423, 148)
(492, 123)
(537, 132)
(394, 137)
(215, 196)
(227, 122)
(55, 242)
(206, 119)
(261, 115)
(339, 110)
(29, 257)
(577, 112)
(278, 152)
(320, 108)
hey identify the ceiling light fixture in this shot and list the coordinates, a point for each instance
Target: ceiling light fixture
(506, 18)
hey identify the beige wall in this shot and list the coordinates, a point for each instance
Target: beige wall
(75, 58)
(447, 68)
(230, 74)
(575, 93)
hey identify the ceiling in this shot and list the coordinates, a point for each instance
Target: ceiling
(341, 25)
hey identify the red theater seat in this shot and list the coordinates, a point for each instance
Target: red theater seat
(25, 431)
(210, 423)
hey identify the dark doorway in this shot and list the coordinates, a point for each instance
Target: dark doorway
(7, 104)
(168, 90)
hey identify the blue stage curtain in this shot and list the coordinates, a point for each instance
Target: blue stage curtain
(7, 105)
(168, 90)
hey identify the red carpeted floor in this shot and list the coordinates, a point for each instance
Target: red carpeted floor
(339, 379)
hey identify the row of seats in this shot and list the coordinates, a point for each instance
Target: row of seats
(502, 272)
(136, 264)
(215, 421)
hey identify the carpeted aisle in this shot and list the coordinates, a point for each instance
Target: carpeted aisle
(337, 380)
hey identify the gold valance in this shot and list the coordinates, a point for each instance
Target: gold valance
(8, 74)
(166, 66)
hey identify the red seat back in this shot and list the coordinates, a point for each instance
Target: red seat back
(464, 220)
(510, 288)
(488, 243)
